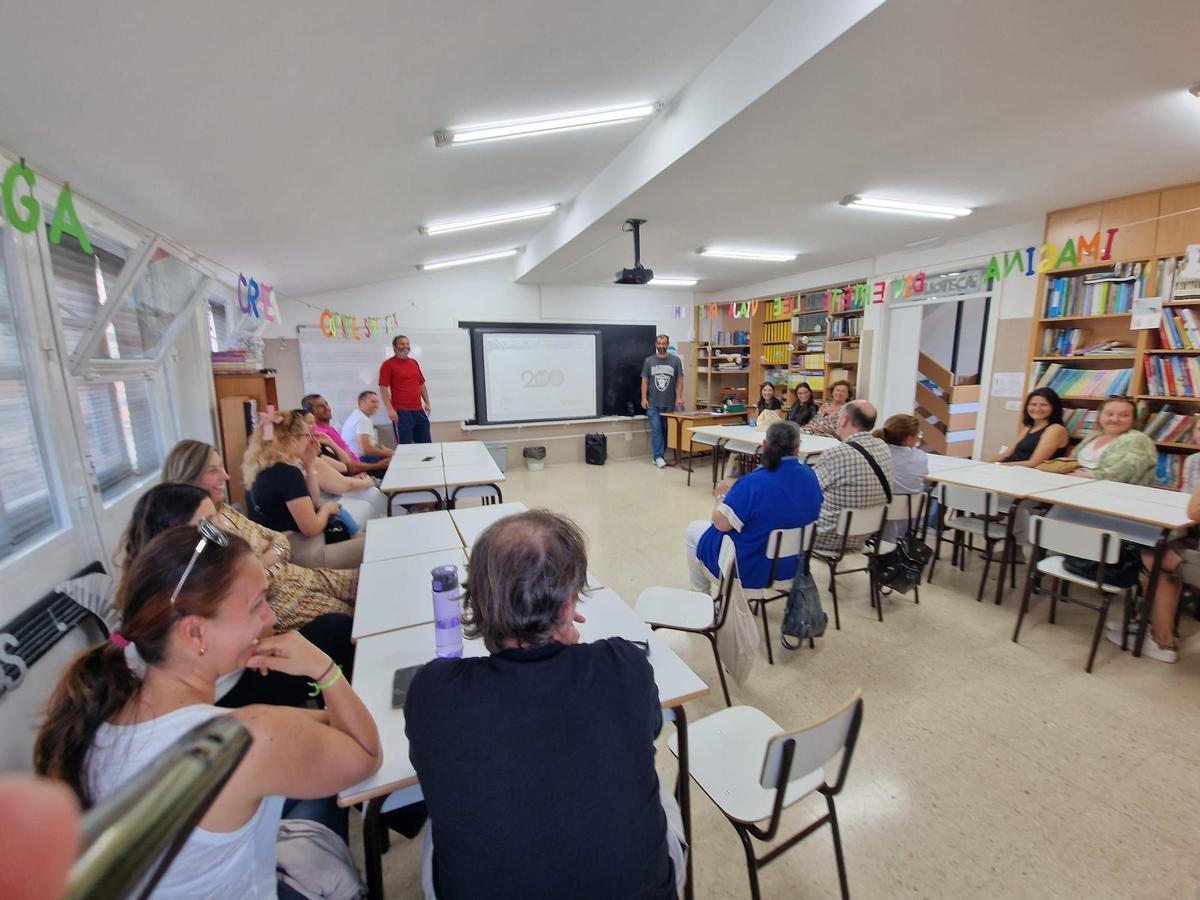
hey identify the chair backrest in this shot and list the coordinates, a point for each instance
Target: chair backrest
(968, 500)
(1096, 544)
(859, 522)
(784, 543)
(907, 508)
(727, 566)
(489, 493)
(814, 745)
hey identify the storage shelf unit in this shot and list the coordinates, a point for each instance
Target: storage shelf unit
(1165, 223)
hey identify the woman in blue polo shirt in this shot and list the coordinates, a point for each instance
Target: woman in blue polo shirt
(782, 493)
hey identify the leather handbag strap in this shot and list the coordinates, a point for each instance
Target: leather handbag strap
(887, 488)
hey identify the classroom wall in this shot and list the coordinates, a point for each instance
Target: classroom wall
(488, 293)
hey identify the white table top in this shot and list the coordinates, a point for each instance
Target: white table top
(396, 593)
(424, 477)
(751, 438)
(1136, 503)
(376, 658)
(472, 520)
(1010, 481)
(481, 472)
(410, 535)
(464, 452)
(947, 463)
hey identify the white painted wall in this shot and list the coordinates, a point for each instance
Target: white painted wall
(487, 293)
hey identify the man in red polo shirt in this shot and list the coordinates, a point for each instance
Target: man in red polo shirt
(405, 397)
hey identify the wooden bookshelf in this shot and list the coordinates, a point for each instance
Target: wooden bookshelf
(712, 383)
(1162, 232)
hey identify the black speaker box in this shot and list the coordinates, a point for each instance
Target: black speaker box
(595, 448)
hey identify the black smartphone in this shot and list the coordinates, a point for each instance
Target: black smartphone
(426, 459)
(400, 682)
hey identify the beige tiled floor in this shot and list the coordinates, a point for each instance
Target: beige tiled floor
(983, 769)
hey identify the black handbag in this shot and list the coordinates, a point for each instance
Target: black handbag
(901, 568)
(1125, 572)
(336, 531)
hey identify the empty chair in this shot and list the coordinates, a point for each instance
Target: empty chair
(969, 511)
(782, 543)
(855, 523)
(753, 770)
(488, 494)
(1081, 541)
(694, 611)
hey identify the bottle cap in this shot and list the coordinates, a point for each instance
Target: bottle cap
(445, 578)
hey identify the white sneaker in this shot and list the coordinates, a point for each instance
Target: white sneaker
(660, 462)
(1149, 647)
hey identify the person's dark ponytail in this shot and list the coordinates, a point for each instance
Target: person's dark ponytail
(783, 440)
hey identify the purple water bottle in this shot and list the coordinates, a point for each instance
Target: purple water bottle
(447, 610)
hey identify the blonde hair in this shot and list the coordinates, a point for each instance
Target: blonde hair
(283, 447)
(898, 429)
(187, 461)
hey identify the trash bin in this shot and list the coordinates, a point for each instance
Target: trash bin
(535, 458)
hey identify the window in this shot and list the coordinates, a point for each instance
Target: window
(218, 324)
(83, 283)
(122, 429)
(26, 509)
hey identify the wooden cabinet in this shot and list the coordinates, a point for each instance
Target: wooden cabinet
(238, 398)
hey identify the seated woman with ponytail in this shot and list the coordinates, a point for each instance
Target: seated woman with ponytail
(168, 505)
(782, 493)
(194, 604)
(298, 593)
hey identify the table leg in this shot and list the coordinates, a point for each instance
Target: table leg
(1160, 550)
(372, 848)
(1008, 551)
(684, 793)
(717, 452)
(678, 438)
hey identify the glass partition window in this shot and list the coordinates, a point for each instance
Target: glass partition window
(124, 443)
(27, 511)
(158, 297)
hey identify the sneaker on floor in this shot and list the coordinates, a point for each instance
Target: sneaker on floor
(660, 462)
(1149, 647)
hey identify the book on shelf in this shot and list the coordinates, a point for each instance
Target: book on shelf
(1170, 427)
(1096, 294)
(1179, 329)
(1072, 342)
(777, 354)
(1172, 376)
(728, 339)
(1081, 422)
(809, 360)
(1171, 283)
(777, 331)
(815, 381)
(1082, 383)
(1170, 470)
(844, 328)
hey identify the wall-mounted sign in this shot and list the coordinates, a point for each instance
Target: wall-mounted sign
(351, 327)
(65, 217)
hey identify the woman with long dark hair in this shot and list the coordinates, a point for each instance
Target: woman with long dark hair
(804, 405)
(193, 605)
(1043, 436)
(782, 493)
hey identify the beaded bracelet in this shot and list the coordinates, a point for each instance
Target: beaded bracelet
(317, 688)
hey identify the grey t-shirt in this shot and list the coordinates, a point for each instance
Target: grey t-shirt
(661, 376)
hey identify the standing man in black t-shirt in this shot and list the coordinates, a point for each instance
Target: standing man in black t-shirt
(662, 391)
(537, 762)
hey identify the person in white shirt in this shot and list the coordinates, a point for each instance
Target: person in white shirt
(359, 433)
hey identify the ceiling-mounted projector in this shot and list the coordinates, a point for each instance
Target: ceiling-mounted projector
(639, 274)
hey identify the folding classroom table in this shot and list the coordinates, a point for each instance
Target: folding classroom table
(748, 439)
(377, 657)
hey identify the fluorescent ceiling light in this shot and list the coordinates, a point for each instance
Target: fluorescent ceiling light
(658, 281)
(763, 256)
(467, 260)
(483, 221)
(544, 124)
(904, 207)
(924, 242)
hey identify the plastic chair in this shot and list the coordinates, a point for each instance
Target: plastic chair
(694, 611)
(753, 770)
(1101, 546)
(488, 494)
(970, 511)
(782, 543)
(855, 523)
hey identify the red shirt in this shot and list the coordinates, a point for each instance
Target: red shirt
(404, 379)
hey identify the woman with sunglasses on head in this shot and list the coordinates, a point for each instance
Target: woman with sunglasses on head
(298, 593)
(1043, 436)
(280, 469)
(169, 505)
(193, 609)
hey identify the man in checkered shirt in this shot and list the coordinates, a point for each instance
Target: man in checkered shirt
(847, 478)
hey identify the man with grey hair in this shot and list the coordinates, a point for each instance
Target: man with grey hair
(662, 391)
(846, 477)
(537, 762)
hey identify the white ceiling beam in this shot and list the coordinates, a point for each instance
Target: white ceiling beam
(786, 35)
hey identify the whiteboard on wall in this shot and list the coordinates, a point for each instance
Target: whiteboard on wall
(540, 375)
(340, 370)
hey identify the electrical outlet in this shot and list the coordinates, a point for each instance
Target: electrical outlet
(628, 436)
(1013, 405)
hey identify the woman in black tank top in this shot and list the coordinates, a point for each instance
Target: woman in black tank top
(1043, 437)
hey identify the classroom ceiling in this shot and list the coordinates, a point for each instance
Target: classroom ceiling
(292, 139)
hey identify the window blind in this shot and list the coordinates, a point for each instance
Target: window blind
(79, 280)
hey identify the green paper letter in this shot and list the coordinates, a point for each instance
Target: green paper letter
(993, 270)
(1012, 261)
(66, 219)
(30, 222)
(1067, 257)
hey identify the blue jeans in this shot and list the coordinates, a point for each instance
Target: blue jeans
(658, 431)
(412, 427)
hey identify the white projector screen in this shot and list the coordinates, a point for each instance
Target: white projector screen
(537, 376)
